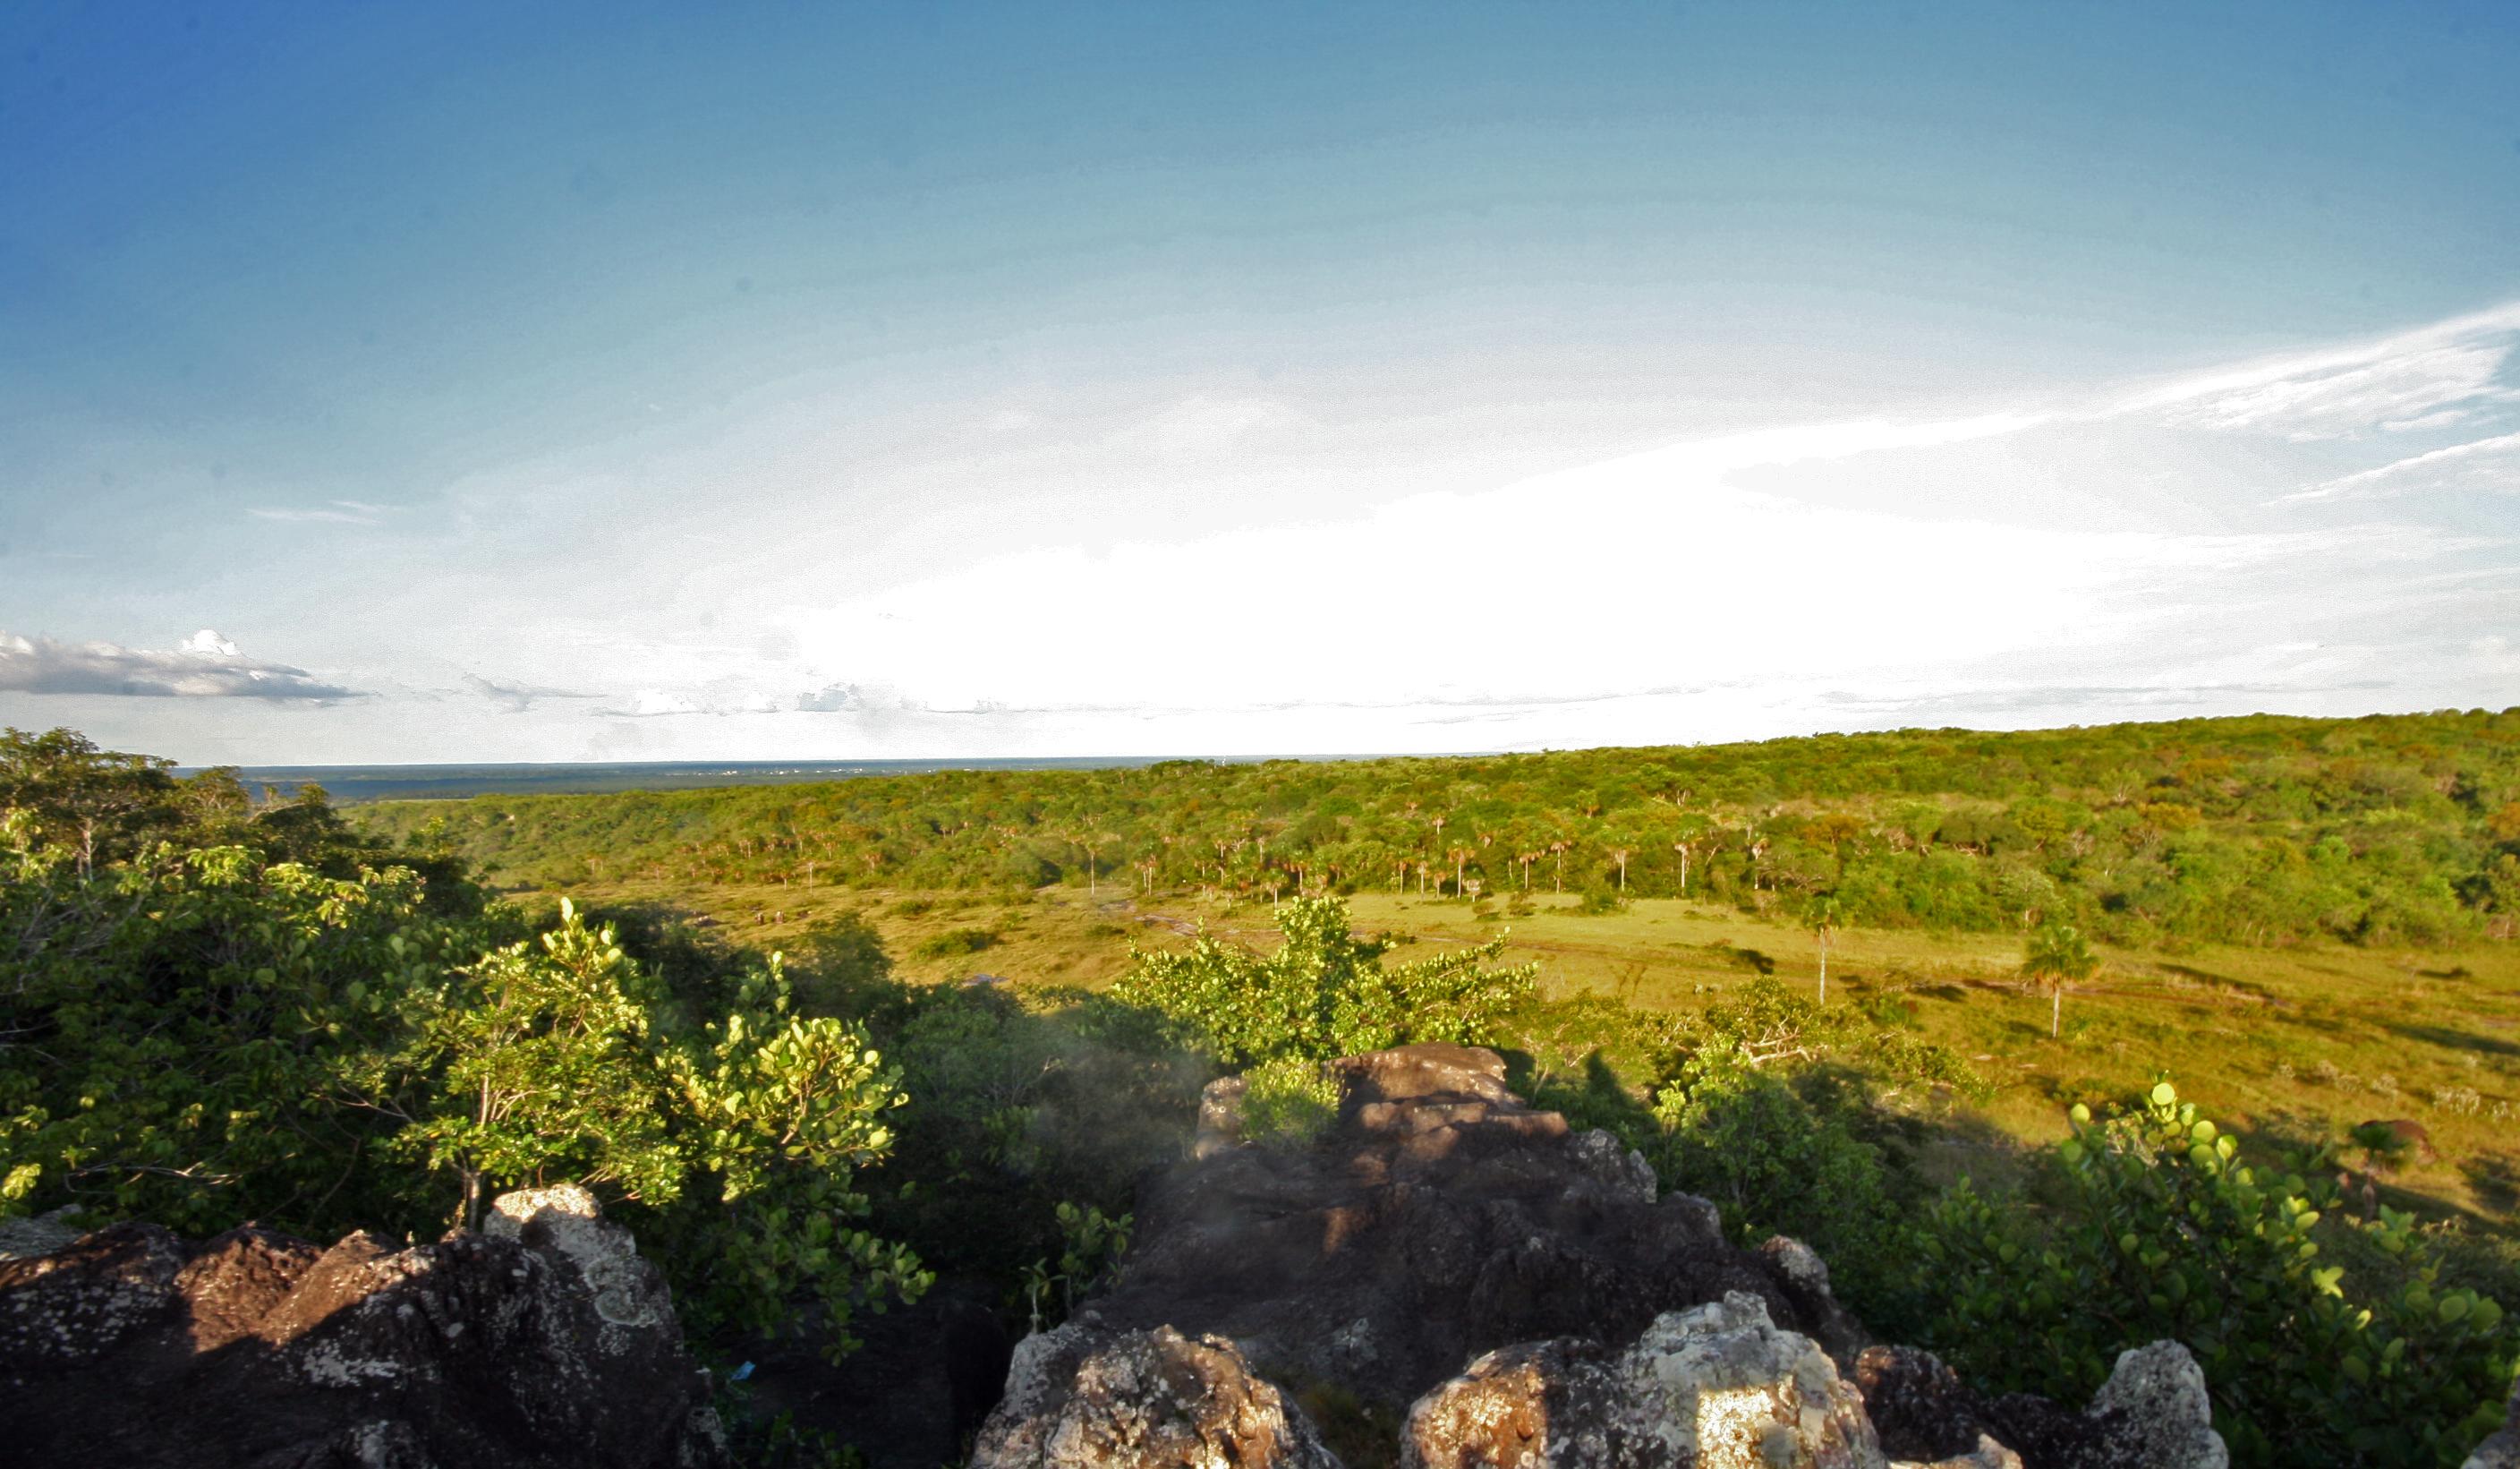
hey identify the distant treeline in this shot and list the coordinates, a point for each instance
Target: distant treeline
(2262, 829)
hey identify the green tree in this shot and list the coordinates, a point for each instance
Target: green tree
(544, 1067)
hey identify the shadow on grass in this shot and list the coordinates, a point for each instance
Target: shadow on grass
(2496, 1179)
(2248, 987)
(1592, 1096)
(2457, 1040)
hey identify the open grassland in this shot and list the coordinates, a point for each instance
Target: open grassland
(2299, 1042)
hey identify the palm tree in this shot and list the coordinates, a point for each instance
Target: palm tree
(1823, 925)
(2058, 955)
(1619, 855)
(1560, 846)
(1459, 856)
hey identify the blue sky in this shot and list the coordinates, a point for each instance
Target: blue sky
(763, 380)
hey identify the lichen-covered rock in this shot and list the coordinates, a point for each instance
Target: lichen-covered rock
(1220, 1116)
(40, 1234)
(134, 1348)
(1083, 1397)
(1621, 1169)
(629, 1295)
(1917, 1405)
(2153, 1412)
(1715, 1387)
(2503, 1450)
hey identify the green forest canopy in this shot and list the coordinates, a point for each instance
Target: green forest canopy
(2258, 830)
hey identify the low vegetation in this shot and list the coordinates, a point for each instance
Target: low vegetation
(807, 1105)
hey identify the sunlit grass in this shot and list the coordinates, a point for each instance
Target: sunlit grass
(2305, 1043)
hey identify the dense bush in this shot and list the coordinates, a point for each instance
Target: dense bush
(196, 1030)
(1323, 993)
(2159, 1227)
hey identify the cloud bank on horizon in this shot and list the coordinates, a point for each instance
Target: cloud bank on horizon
(204, 665)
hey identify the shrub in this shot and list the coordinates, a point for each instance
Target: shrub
(1773, 1161)
(2161, 1229)
(952, 943)
(1324, 992)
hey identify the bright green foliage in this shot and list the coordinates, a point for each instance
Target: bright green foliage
(543, 1067)
(785, 1111)
(180, 1029)
(1324, 992)
(1288, 1101)
(741, 1144)
(2163, 1229)
(195, 1032)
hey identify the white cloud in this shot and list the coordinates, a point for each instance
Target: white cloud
(2480, 464)
(2431, 377)
(206, 666)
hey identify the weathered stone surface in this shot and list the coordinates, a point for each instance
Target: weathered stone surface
(134, 1348)
(1085, 1396)
(41, 1234)
(1988, 1454)
(1439, 1219)
(1919, 1407)
(1220, 1118)
(2153, 1412)
(629, 1295)
(1715, 1387)
(2503, 1450)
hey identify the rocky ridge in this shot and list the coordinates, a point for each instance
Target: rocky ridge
(1513, 1295)
(544, 1339)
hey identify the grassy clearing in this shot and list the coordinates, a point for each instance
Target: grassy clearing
(2302, 1042)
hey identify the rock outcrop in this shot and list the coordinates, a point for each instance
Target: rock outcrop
(1085, 1396)
(544, 1342)
(1441, 1222)
(2152, 1412)
(1440, 1219)
(1715, 1387)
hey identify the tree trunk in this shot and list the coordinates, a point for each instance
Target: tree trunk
(2056, 1009)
